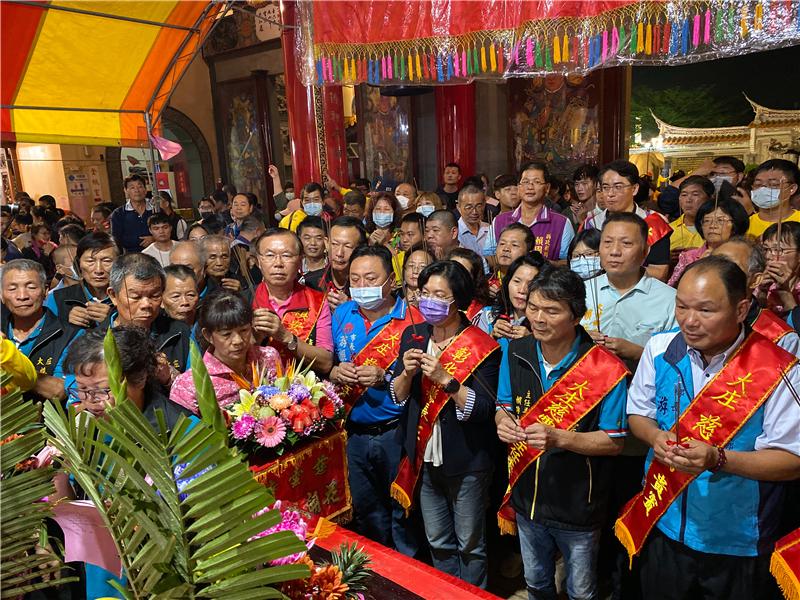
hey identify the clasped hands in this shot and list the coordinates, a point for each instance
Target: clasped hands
(690, 456)
(350, 374)
(415, 360)
(537, 435)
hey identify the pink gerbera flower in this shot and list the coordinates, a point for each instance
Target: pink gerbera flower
(270, 432)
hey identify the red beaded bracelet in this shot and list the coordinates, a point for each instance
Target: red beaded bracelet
(722, 460)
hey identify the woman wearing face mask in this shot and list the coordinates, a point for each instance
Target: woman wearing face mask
(446, 381)
(406, 195)
(383, 222)
(510, 322)
(584, 253)
(414, 261)
(716, 223)
(427, 202)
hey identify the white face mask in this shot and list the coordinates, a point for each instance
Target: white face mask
(289, 196)
(765, 197)
(403, 201)
(425, 210)
(719, 180)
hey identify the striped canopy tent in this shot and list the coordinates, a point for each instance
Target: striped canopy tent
(94, 72)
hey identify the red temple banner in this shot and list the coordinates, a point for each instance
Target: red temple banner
(312, 478)
(456, 41)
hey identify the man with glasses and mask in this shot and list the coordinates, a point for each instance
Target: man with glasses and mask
(619, 183)
(293, 318)
(553, 232)
(366, 334)
(775, 182)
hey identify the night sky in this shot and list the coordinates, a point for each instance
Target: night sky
(770, 78)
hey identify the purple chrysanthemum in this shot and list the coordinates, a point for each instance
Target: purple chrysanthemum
(298, 393)
(243, 427)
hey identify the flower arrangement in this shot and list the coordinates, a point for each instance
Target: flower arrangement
(277, 412)
(344, 578)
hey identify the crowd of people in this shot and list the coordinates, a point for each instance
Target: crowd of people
(562, 359)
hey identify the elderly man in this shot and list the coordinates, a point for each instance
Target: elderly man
(136, 288)
(713, 401)
(193, 255)
(293, 318)
(33, 328)
(473, 232)
(441, 233)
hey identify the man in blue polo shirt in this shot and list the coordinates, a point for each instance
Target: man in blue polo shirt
(129, 222)
(373, 449)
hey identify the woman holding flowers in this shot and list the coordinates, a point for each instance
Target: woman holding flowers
(233, 361)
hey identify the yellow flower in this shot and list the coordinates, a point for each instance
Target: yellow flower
(246, 403)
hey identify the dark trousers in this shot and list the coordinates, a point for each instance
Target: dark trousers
(672, 571)
(373, 461)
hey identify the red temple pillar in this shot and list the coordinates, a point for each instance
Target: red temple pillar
(300, 106)
(335, 140)
(455, 125)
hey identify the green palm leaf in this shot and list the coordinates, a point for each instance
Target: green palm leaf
(191, 543)
(22, 511)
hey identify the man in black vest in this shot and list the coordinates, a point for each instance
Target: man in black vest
(564, 408)
(136, 285)
(34, 329)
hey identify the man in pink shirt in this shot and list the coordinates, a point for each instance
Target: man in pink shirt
(293, 318)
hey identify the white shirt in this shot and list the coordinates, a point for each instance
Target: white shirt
(781, 427)
(162, 256)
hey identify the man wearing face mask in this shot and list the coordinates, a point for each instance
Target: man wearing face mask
(725, 172)
(775, 182)
(406, 195)
(312, 205)
(366, 334)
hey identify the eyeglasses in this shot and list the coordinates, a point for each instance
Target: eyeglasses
(776, 251)
(416, 267)
(427, 296)
(272, 257)
(535, 182)
(95, 396)
(586, 255)
(616, 188)
(716, 221)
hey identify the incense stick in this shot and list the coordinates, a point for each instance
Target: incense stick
(677, 411)
(596, 303)
(789, 385)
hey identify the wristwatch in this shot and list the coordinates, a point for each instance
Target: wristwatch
(452, 386)
(292, 345)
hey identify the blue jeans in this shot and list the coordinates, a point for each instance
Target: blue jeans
(454, 512)
(579, 548)
(373, 461)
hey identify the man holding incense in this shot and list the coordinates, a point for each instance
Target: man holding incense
(717, 404)
(562, 415)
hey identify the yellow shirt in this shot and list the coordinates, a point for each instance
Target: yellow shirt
(759, 225)
(16, 364)
(683, 236)
(292, 220)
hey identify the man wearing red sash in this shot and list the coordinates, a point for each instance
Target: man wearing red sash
(366, 334)
(293, 318)
(446, 382)
(708, 516)
(751, 259)
(619, 182)
(567, 399)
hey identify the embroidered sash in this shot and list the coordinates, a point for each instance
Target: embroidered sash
(715, 415)
(770, 325)
(301, 320)
(785, 564)
(464, 354)
(657, 228)
(381, 351)
(576, 393)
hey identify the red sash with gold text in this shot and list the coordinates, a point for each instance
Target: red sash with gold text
(657, 228)
(770, 325)
(464, 354)
(785, 564)
(715, 415)
(571, 398)
(381, 351)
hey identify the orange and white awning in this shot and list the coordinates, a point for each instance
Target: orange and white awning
(86, 72)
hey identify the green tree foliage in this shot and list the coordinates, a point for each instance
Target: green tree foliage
(700, 106)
